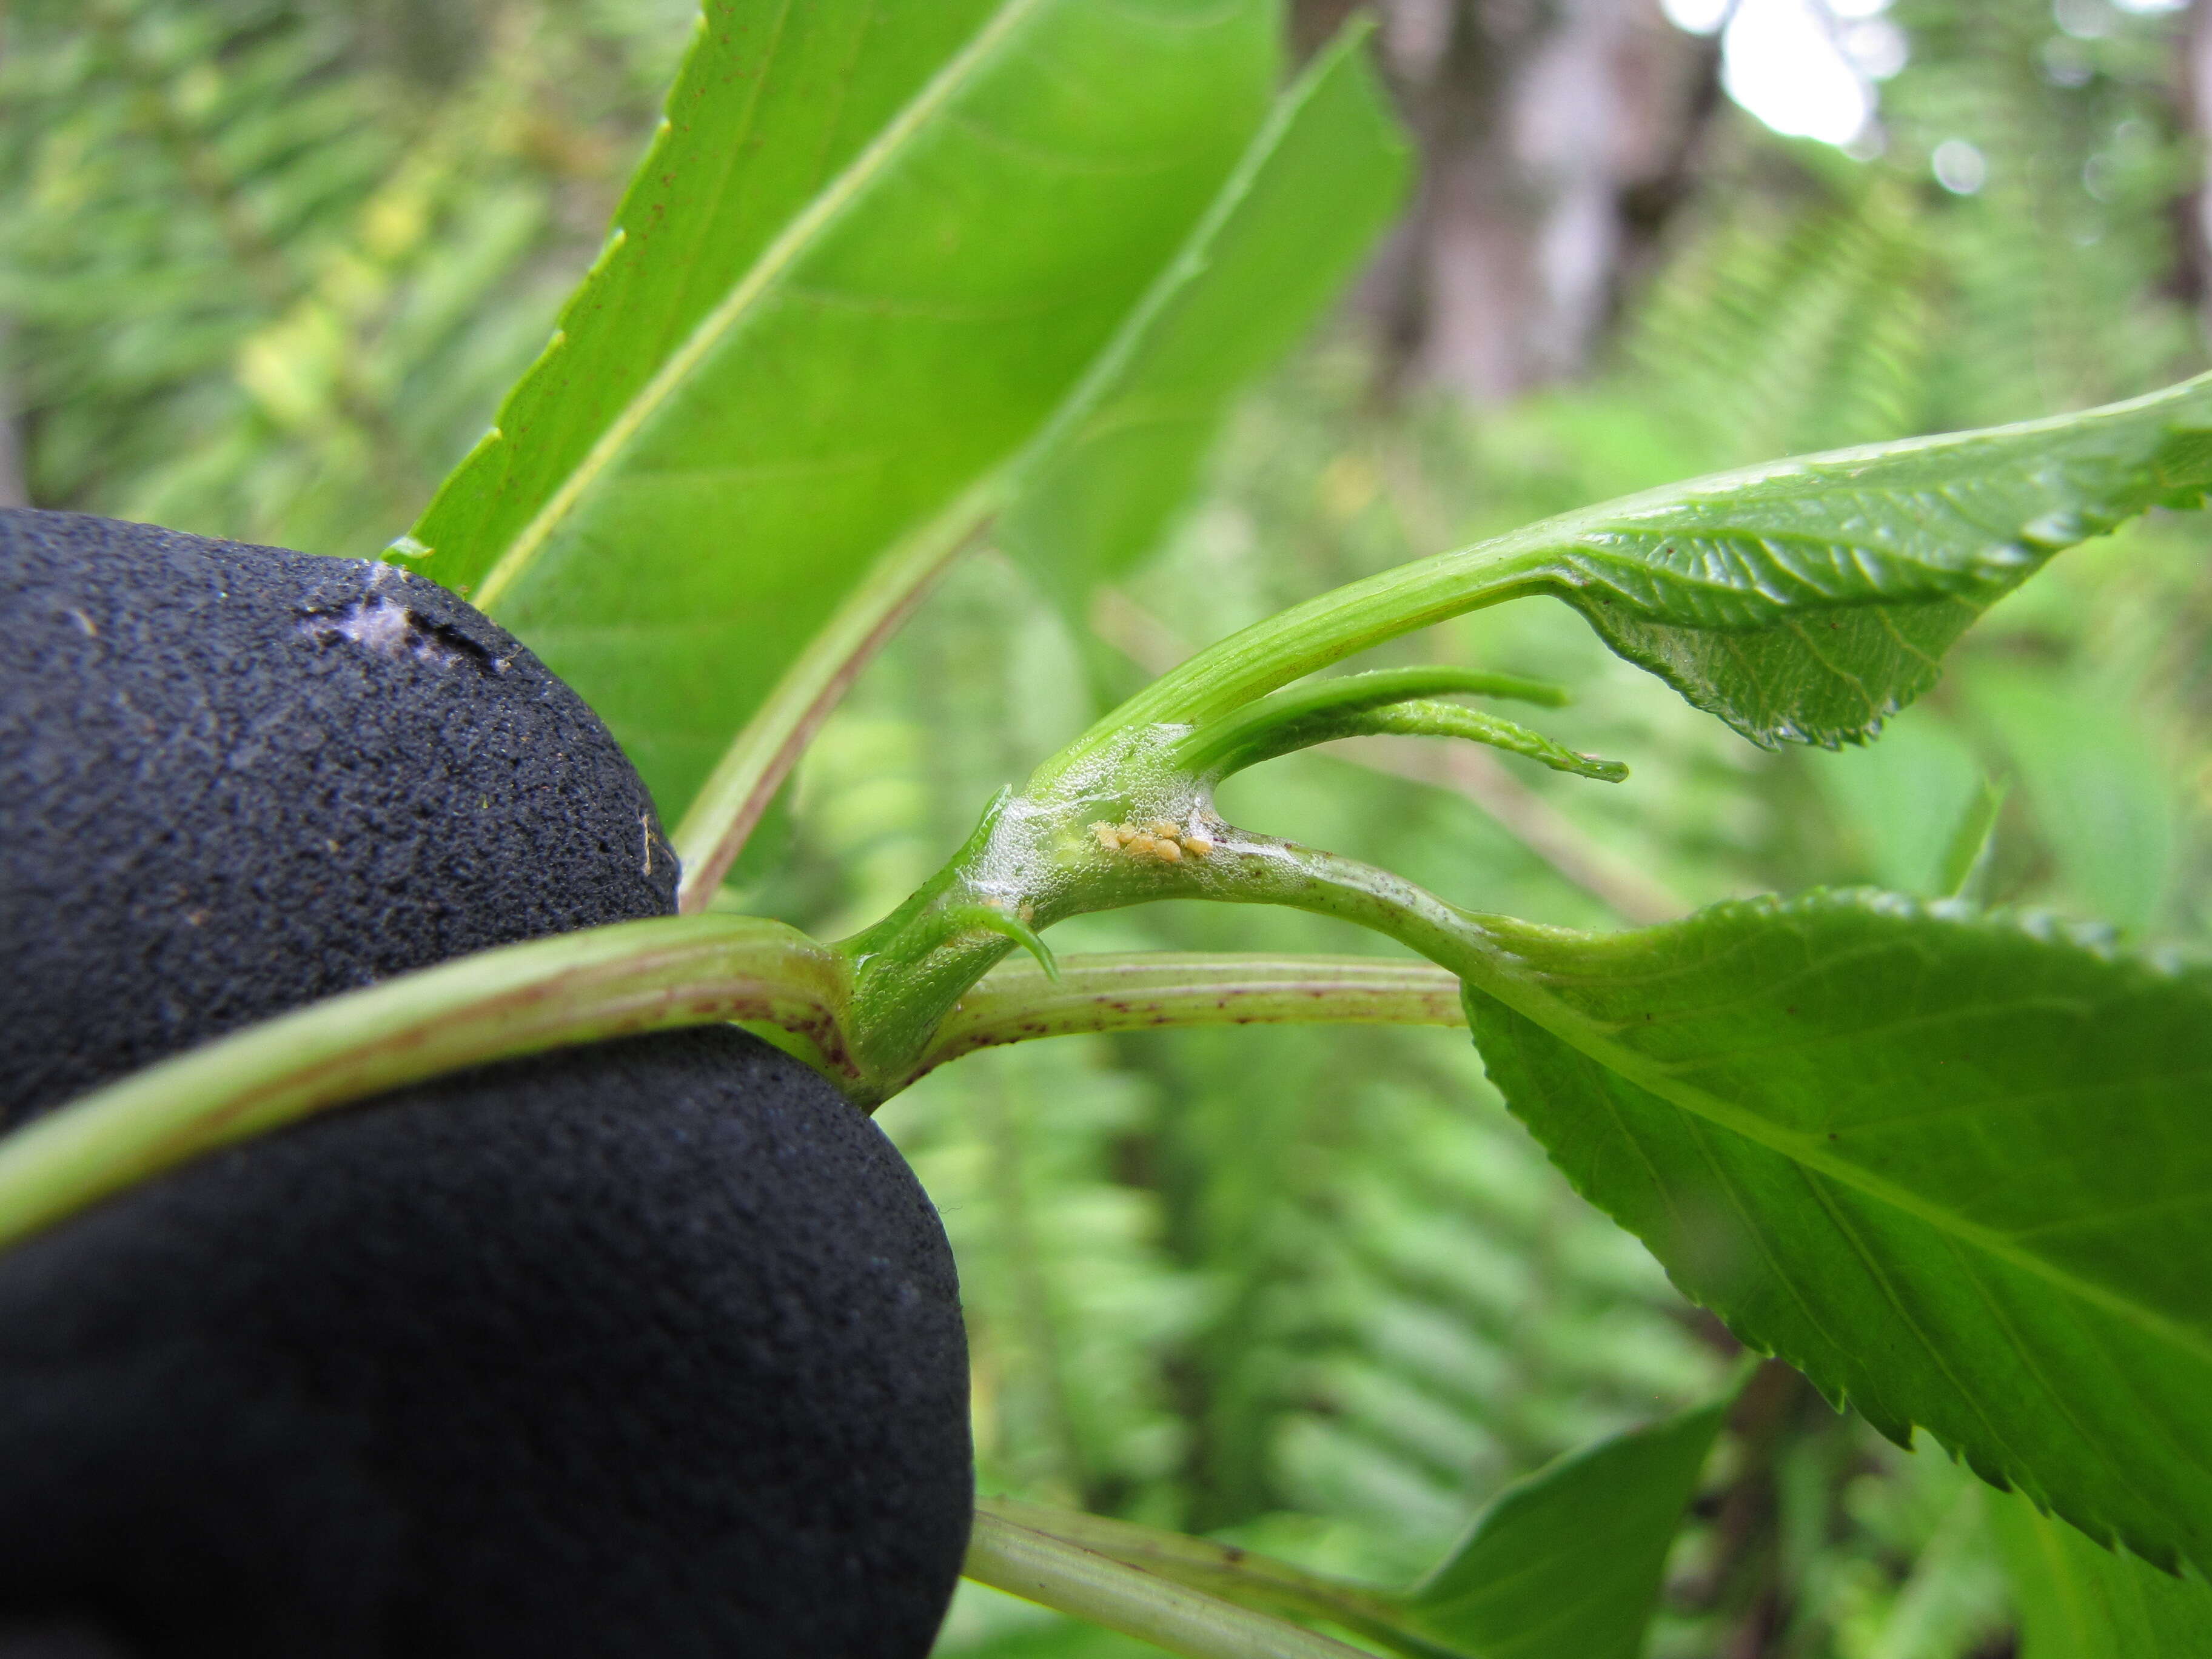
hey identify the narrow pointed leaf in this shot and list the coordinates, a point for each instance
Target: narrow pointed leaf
(1957, 1170)
(1390, 702)
(1964, 872)
(1448, 720)
(871, 251)
(1421, 717)
(1567, 1564)
(1225, 744)
(1311, 195)
(2098, 785)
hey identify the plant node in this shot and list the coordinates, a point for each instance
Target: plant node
(1132, 820)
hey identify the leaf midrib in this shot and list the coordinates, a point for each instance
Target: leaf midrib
(803, 232)
(1602, 566)
(1570, 1026)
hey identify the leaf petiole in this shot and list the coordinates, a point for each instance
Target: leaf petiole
(1068, 1578)
(1151, 990)
(1711, 583)
(636, 977)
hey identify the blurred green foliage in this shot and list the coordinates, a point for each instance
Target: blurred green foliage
(266, 265)
(270, 264)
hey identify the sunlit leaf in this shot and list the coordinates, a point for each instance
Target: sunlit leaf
(1807, 600)
(871, 250)
(1315, 189)
(1090, 490)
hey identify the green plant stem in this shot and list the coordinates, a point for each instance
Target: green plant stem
(614, 982)
(607, 981)
(1236, 1575)
(1476, 949)
(1135, 633)
(1610, 560)
(1070, 1578)
(1041, 859)
(1247, 664)
(1146, 990)
(1305, 878)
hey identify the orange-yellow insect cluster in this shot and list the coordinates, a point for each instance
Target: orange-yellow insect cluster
(1169, 843)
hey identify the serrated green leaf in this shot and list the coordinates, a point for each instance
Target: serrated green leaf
(1826, 676)
(1318, 187)
(870, 252)
(1567, 1564)
(1806, 600)
(2079, 1602)
(1956, 1169)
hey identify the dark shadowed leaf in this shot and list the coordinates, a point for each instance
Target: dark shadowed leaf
(1567, 1563)
(2079, 1602)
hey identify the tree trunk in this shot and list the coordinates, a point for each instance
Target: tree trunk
(1556, 137)
(2193, 237)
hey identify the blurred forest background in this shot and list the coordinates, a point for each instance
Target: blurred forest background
(266, 265)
